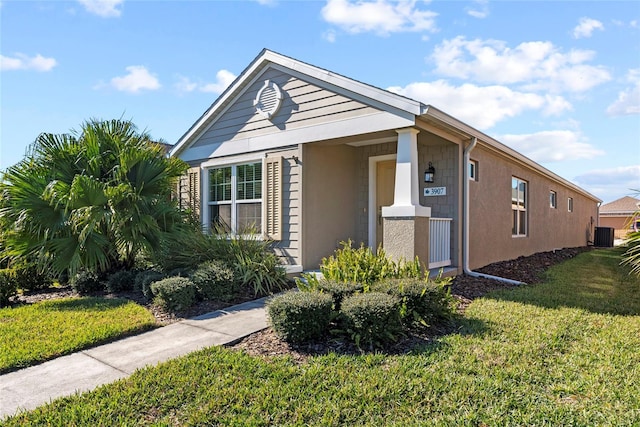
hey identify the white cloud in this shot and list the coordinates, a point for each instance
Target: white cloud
(480, 106)
(103, 8)
(138, 78)
(586, 27)
(23, 62)
(381, 16)
(481, 10)
(223, 79)
(330, 36)
(628, 101)
(536, 65)
(611, 184)
(552, 146)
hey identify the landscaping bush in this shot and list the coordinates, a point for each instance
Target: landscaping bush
(422, 302)
(8, 288)
(144, 279)
(338, 290)
(86, 282)
(123, 280)
(372, 319)
(174, 293)
(298, 317)
(363, 266)
(214, 281)
(29, 277)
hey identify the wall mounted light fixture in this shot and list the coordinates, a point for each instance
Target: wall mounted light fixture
(430, 173)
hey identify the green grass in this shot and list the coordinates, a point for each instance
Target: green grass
(566, 352)
(34, 333)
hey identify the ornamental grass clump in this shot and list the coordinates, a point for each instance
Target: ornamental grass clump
(371, 319)
(298, 317)
(8, 288)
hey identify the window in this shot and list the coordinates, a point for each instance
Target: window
(553, 199)
(473, 170)
(519, 207)
(235, 197)
(570, 204)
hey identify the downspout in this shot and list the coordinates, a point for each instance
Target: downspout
(465, 221)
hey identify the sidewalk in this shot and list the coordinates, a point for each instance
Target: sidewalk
(31, 387)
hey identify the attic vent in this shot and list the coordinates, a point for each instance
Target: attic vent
(268, 99)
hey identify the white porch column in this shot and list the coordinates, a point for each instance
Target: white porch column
(406, 197)
(406, 223)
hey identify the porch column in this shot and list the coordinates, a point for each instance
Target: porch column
(406, 222)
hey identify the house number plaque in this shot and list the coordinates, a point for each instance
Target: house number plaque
(435, 191)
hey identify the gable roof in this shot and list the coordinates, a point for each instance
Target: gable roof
(368, 93)
(624, 205)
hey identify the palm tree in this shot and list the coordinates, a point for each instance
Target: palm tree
(93, 199)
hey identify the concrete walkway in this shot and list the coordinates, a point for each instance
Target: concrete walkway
(31, 387)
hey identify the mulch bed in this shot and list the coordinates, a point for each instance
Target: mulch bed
(265, 343)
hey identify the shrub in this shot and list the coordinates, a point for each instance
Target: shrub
(363, 266)
(338, 290)
(174, 293)
(144, 279)
(86, 282)
(300, 316)
(256, 265)
(123, 280)
(30, 277)
(214, 281)
(371, 318)
(422, 302)
(8, 288)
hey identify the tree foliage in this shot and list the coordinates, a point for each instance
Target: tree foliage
(631, 257)
(92, 199)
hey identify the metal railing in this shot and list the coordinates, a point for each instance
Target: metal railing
(439, 242)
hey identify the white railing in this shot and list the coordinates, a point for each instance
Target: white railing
(439, 242)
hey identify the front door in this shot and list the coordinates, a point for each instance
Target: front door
(385, 185)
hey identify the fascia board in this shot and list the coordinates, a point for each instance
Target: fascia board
(503, 150)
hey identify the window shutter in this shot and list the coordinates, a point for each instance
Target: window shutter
(273, 198)
(190, 190)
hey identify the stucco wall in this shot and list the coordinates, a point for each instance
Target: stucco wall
(491, 217)
(620, 224)
(330, 201)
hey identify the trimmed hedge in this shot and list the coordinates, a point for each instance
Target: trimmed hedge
(174, 293)
(144, 279)
(29, 277)
(123, 280)
(423, 302)
(214, 281)
(372, 318)
(300, 316)
(86, 282)
(338, 290)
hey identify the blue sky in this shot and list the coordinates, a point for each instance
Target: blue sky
(557, 81)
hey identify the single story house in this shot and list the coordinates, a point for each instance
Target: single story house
(313, 158)
(621, 216)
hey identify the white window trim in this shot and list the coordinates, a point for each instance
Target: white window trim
(570, 204)
(553, 205)
(206, 203)
(473, 170)
(521, 208)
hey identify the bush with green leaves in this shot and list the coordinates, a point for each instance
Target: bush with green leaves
(145, 279)
(338, 290)
(8, 288)
(371, 319)
(361, 265)
(31, 277)
(123, 280)
(298, 317)
(422, 302)
(87, 282)
(174, 293)
(214, 280)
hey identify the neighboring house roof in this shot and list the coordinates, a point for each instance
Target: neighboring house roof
(625, 206)
(421, 114)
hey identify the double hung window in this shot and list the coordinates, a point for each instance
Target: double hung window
(519, 207)
(235, 197)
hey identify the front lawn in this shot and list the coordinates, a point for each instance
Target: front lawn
(34, 333)
(565, 352)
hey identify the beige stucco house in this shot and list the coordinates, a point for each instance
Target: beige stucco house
(314, 158)
(621, 216)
